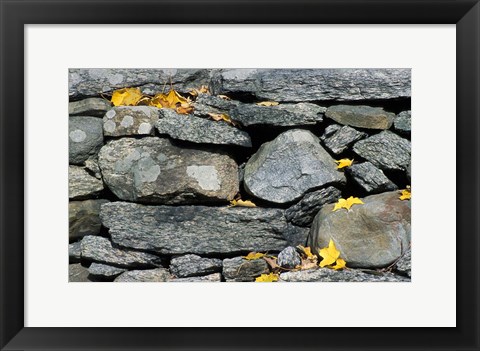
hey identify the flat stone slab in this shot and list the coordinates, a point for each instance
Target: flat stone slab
(361, 116)
(200, 130)
(154, 170)
(81, 184)
(104, 272)
(85, 138)
(211, 278)
(200, 230)
(130, 120)
(330, 275)
(144, 276)
(78, 274)
(95, 107)
(84, 218)
(370, 178)
(193, 265)
(339, 141)
(239, 269)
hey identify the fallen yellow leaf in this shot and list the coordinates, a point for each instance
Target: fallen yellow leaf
(339, 264)
(254, 256)
(241, 203)
(126, 97)
(307, 251)
(344, 162)
(329, 254)
(342, 203)
(267, 278)
(405, 194)
(267, 103)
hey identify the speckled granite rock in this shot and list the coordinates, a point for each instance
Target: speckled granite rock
(78, 274)
(95, 107)
(361, 116)
(289, 258)
(211, 278)
(239, 269)
(370, 178)
(104, 272)
(330, 275)
(74, 252)
(296, 235)
(149, 275)
(402, 122)
(193, 265)
(342, 139)
(85, 138)
(82, 185)
(84, 218)
(130, 120)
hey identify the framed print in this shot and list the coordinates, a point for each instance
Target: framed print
(340, 166)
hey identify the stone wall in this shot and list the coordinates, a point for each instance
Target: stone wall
(150, 190)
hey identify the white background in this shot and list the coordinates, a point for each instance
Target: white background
(428, 301)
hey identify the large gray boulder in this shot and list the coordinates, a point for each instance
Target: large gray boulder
(361, 116)
(385, 150)
(84, 218)
(371, 235)
(284, 169)
(200, 230)
(130, 120)
(85, 138)
(154, 170)
(314, 84)
(89, 107)
(81, 184)
(330, 275)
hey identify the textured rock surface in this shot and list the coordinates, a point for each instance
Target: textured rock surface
(342, 139)
(296, 235)
(130, 120)
(85, 138)
(93, 81)
(91, 165)
(81, 184)
(361, 116)
(240, 270)
(330, 275)
(193, 265)
(402, 122)
(280, 115)
(385, 150)
(149, 275)
(104, 272)
(194, 229)
(78, 274)
(84, 218)
(96, 248)
(284, 169)
(370, 178)
(330, 130)
(200, 130)
(409, 172)
(372, 235)
(89, 107)
(289, 258)
(206, 104)
(211, 278)
(314, 84)
(304, 211)
(74, 252)
(404, 264)
(153, 170)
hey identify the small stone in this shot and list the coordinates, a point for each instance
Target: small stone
(385, 150)
(100, 249)
(85, 138)
(304, 211)
(370, 178)
(82, 185)
(361, 116)
(78, 274)
(342, 139)
(239, 269)
(211, 278)
(104, 272)
(402, 122)
(193, 265)
(404, 264)
(130, 120)
(95, 107)
(289, 258)
(84, 218)
(74, 252)
(145, 276)
(330, 275)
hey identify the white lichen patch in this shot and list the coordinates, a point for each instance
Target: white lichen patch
(206, 176)
(146, 171)
(110, 113)
(144, 128)
(109, 126)
(115, 79)
(127, 121)
(78, 135)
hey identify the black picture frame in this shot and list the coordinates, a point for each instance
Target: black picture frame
(17, 13)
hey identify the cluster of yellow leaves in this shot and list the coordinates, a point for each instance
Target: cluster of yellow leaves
(254, 256)
(267, 278)
(330, 256)
(267, 103)
(342, 203)
(406, 194)
(134, 97)
(344, 162)
(309, 260)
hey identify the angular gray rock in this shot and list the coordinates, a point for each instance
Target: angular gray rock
(91, 165)
(95, 107)
(211, 278)
(361, 116)
(199, 230)
(385, 150)
(239, 269)
(402, 122)
(193, 265)
(74, 252)
(84, 82)
(404, 264)
(372, 235)
(104, 272)
(148, 275)
(130, 120)
(84, 218)
(85, 138)
(342, 139)
(330, 275)
(296, 235)
(206, 104)
(289, 258)
(280, 115)
(78, 274)
(82, 185)
(154, 170)
(99, 249)
(304, 211)
(330, 130)
(284, 169)
(314, 84)
(200, 130)
(370, 178)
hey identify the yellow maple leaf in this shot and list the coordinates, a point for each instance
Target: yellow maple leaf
(344, 162)
(170, 100)
(340, 264)
(307, 251)
(254, 256)
(267, 278)
(241, 203)
(267, 103)
(342, 203)
(405, 194)
(329, 254)
(126, 97)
